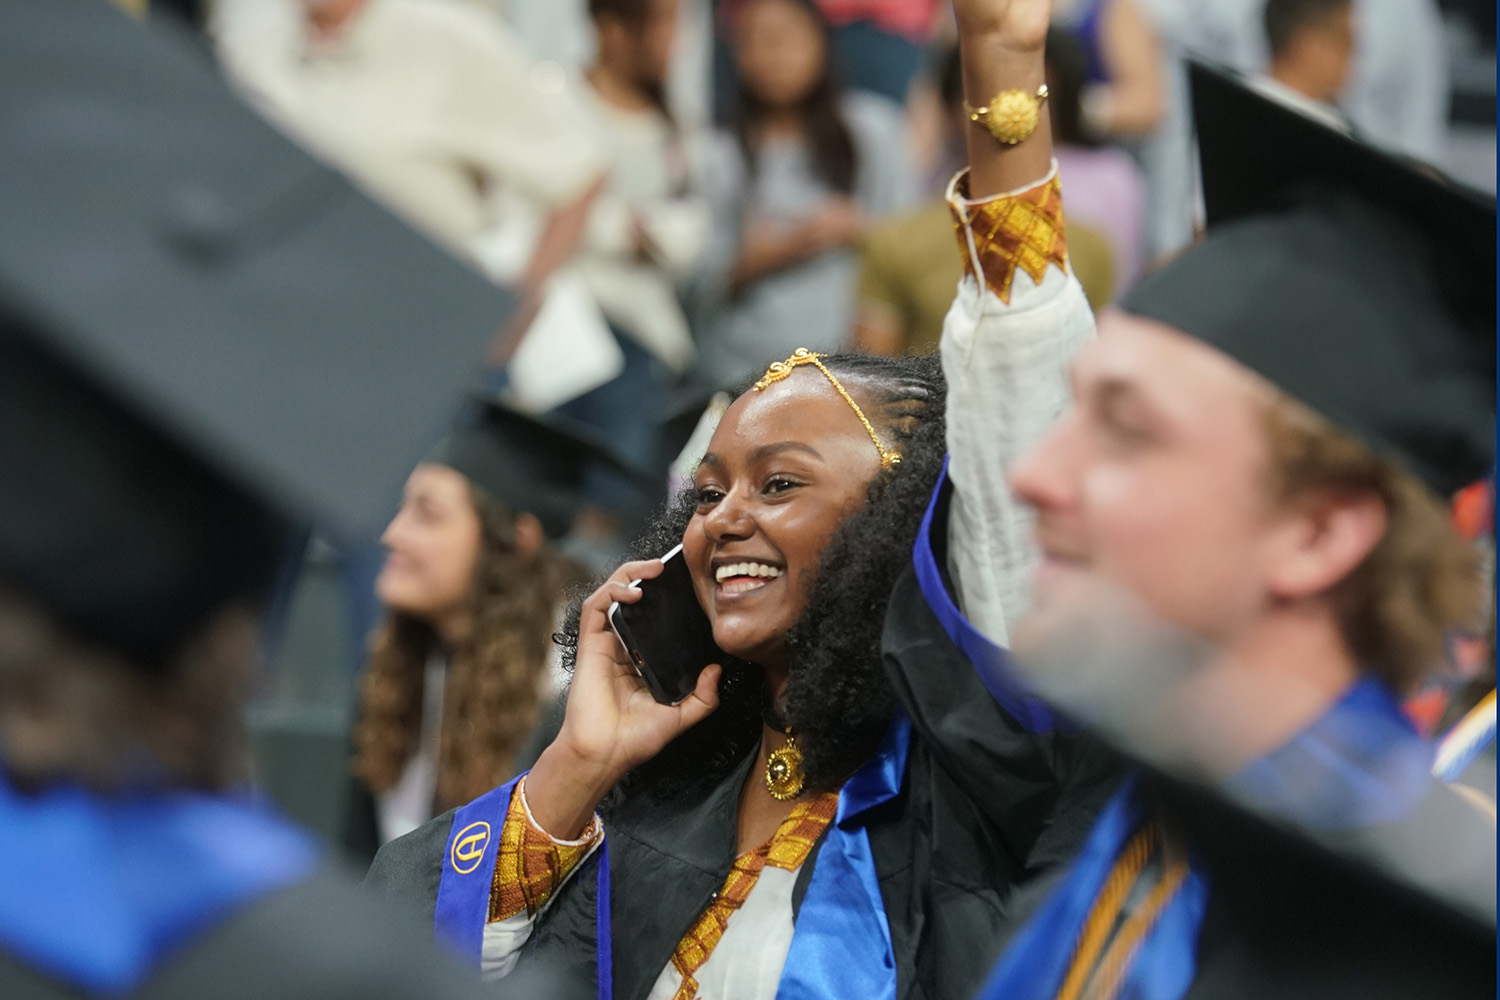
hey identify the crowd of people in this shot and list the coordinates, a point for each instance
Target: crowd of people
(677, 242)
(1082, 458)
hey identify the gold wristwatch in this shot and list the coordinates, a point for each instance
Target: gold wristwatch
(1011, 116)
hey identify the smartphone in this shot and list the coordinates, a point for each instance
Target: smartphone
(666, 633)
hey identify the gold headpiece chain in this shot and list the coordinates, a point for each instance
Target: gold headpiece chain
(802, 356)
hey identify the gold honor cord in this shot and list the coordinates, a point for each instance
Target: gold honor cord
(802, 356)
(1107, 970)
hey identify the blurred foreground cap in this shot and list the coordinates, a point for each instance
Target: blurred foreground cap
(529, 463)
(205, 334)
(1357, 281)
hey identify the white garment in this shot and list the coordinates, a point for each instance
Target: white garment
(648, 187)
(430, 105)
(1318, 111)
(1006, 367)
(1007, 373)
(1397, 91)
(810, 304)
(747, 962)
(407, 804)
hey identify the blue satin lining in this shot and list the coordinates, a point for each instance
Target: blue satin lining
(1361, 764)
(1037, 959)
(841, 945)
(991, 662)
(97, 891)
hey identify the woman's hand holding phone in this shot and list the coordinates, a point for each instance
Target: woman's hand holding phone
(612, 723)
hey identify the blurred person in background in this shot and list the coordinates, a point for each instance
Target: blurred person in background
(1311, 44)
(1124, 65)
(435, 109)
(458, 674)
(1106, 192)
(1133, 97)
(879, 43)
(907, 268)
(792, 186)
(1398, 84)
(180, 287)
(646, 232)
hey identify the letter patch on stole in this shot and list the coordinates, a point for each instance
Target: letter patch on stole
(468, 847)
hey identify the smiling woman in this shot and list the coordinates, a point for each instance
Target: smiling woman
(844, 806)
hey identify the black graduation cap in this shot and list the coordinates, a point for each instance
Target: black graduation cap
(528, 463)
(1357, 281)
(204, 333)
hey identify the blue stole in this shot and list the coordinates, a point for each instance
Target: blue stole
(841, 945)
(1037, 960)
(97, 891)
(1361, 764)
(991, 662)
(463, 899)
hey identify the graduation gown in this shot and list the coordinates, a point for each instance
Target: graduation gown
(1290, 919)
(167, 893)
(323, 937)
(966, 804)
(1295, 907)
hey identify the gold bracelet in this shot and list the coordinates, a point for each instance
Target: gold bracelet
(1011, 116)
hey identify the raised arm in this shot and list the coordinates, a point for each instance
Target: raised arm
(1019, 316)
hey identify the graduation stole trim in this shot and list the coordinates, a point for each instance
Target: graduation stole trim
(1157, 965)
(463, 899)
(990, 661)
(841, 946)
(1471, 736)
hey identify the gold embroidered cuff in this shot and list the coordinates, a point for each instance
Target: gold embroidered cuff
(1022, 231)
(531, 865)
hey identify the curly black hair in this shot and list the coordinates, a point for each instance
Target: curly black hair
(838, 701)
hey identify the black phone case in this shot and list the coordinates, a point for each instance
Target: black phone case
(669, 653)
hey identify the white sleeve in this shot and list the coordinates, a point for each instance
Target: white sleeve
(501, 944)
(1006, 365)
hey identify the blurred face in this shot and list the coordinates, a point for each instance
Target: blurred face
(656, 40)
(784, 469)
(1154, 482)
(779, 51)
(432, 547)
(641, 50)
(1327, 49)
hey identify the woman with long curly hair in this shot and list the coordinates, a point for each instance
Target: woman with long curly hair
(458, 672)
(847, 801)
(804, 165)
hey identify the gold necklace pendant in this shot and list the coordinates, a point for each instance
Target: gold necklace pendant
(784, 772)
